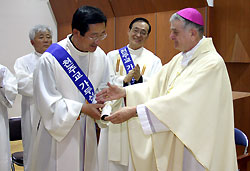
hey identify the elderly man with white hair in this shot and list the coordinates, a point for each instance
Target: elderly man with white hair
(182, 119)
(40, 38)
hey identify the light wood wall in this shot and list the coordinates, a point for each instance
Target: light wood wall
(230, 29)
(120, 13)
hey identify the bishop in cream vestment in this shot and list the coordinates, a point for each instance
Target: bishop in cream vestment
(188, 107)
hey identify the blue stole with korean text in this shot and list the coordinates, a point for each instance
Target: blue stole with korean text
(75, 73)
(127, 61)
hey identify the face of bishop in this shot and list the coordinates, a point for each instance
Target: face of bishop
(185, 38)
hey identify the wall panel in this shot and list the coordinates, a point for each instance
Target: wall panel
(131, 7)
(63, 10)
(231, 29)
(63, 30)
(108, 44)
(165, 5)
(239, 76)
(104, 5)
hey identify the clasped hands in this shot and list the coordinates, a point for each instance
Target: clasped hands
(110, 93)
(114, 92)
(135, 72)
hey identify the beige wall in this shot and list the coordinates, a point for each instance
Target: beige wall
(16, 18)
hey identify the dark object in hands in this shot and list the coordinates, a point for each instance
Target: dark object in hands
(103, 117)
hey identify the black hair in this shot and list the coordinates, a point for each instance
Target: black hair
(140, 19)
(86, 15)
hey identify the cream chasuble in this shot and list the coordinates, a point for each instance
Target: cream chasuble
(62, 142)
(196, 105)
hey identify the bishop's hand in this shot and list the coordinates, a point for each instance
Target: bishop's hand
(122, 115)
(113, 92)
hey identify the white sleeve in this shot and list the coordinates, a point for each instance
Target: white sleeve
(8, 90)
(156, 67)
(150, 124)
(106, 76)
(58, 113)
(24, 78)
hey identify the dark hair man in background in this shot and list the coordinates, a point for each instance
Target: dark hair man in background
(113, 148)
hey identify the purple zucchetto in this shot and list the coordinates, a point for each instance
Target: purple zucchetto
(191, 14)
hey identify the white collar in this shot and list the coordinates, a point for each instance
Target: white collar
(38, 54)
(135, 52)
(73, 49)
(188, 55)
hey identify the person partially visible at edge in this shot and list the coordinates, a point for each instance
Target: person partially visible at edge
(182, 119)
(113, 149)
(40, 38)
(8, 92)
(65, 138)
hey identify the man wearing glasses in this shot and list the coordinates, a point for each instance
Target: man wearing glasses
(129, 65)
(65, 82)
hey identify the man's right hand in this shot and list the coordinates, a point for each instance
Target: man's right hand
(92, 110)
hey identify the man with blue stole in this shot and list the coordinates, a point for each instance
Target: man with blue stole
(66, 79)
(129, 65)
(182, 119)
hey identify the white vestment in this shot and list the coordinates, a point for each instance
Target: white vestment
(113, 148)
(8, 93)
(62, 142)
(24, 68)
(195, 103)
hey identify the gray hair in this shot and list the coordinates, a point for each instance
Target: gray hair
(188, 23)
(39, 28)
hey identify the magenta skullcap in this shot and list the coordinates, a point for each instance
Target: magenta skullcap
(191, 14)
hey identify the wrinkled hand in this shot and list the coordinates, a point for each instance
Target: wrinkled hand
(122, 115)
(92, 110)
(129, 76)
(136, 73)
(112, 93)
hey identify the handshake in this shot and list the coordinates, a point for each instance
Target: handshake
(135, 72)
